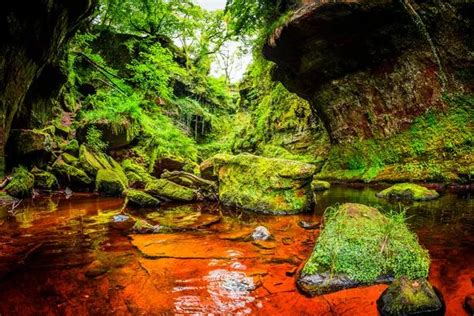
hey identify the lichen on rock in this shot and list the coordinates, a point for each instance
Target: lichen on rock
(408, 191)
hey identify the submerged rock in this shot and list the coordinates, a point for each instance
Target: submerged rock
(162, 188)
(96, 268)
(357, 247)
(108, 182)
(122, 222)
(408, 191)
(21, 184)
(318, 185)
(143, 227)
(141, 199)
(268, 185)
(261, 233)
(44, 180)
(407, 297)
(308, 225)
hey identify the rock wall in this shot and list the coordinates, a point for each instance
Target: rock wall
(370, 68)
(35, 33)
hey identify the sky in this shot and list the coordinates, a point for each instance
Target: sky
(211, 4)
(240, 63)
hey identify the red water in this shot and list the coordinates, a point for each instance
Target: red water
(206, 267)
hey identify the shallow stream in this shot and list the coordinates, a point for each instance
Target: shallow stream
(60, 256)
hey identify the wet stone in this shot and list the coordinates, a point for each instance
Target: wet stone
(122, 222)
(261, 233)
(308, 225)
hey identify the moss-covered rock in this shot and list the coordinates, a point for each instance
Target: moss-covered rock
(70, 159)
(360, 246)
(71, 175)
(169, 163)
(268, 185)
(92, 162)
(44, 180)
(407, 297)
(31, 141)
(141, 199)
(72, 147)
(408, 191)
(319, 185)
(21, 185)
(137, 175)
(162, 188)
(108, 182)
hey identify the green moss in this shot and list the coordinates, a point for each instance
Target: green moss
(141, 199)
(72, 147)
(70, 174)
(70, 159)
(437, 147)
(408, 191)
(44, 180)
(21, 185)
(166, 189)
(319, 185)
(407, 297)
(108, 182)
(93, 162)
(261, 184)
(136, 174)
(358, 241)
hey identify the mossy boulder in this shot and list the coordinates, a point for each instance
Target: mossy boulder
(71, 175)
(410, 297)
(70, 159)
(141, 199)
(44, 179)
(29, 141)
(408, 191)
(162, 188)
(21, 184)
(136, 174)
(319, 185)
(115, 137)
(72, 147)
(268, 185)
(361, 246)
(170, 163)
(92, 162)
(109, 182)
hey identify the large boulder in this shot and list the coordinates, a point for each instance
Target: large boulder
(109, 182)
(411, 297)
(92, 162)
(408, 191)
(267, 185)
(21, 184)
(361, 246)
(30, 147)
(163, 188)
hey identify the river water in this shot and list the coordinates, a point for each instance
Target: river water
(60, 256)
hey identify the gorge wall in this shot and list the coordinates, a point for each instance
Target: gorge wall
(391, 81)
(35, 33)
(369, 68)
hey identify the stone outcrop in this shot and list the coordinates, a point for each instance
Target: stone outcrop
(370, 68)
(268, 185)
(34, 34)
